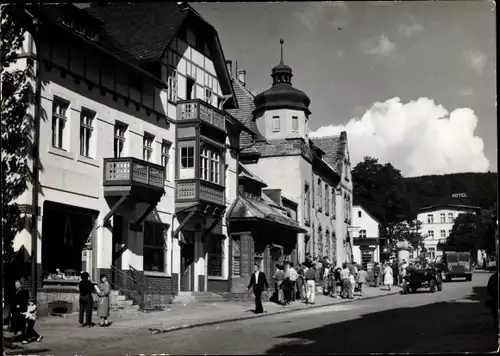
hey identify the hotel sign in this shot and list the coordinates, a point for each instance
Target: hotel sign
(459, 195)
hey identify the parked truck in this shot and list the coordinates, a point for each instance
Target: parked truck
(457, 265)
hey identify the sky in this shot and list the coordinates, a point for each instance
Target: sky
(412, 83)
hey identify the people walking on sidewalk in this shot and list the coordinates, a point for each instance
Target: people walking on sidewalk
(279, 277)
(337, 282)
(293, 278)
(344, 276)
(258, 282)
(361, 280)
(388, 277)
(19, 305)
(30, 315)
(301, 282)
(86, 287)
(286, 285)
(376, 274)
(311, 284)
(103, 306)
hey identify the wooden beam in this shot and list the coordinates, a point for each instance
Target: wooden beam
(114, 208)
(184, 222)
(146, 213)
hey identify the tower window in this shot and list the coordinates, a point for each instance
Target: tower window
(295, 123)
(276, 123)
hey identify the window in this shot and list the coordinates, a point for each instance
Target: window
(318, 192)
(210, 165)
(295, 123)
(442, 218)
(450, 217)
(327, 200)
(208, 95)
(165, 155)
(443, 233)
(214, 255)
(411, 255)
(187, 157)
(430, 219)
(59, 119)
(334, 200)
(147, 146)
(431, 253)
(359, 214)
(120, 129)
(86, 128)
(171, 84)
(362, 233)
(312, 193)
(154, 246)
(190, 86)
(307, 204)
(236, 257)
(276, 123)
(431, 234)
(449, 232)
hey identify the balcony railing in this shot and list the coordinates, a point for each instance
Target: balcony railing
(129, 171)
(210, 192)
(198, 109)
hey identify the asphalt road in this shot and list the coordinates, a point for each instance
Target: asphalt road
(454, 320)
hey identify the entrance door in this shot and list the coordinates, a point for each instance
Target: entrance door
(187, 267)
(117, 250)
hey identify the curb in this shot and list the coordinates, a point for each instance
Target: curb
(248, 317)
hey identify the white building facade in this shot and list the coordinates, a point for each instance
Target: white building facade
(366, 249)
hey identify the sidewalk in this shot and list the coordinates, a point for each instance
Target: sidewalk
(175, 317)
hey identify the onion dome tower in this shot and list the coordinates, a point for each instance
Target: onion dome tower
(284, 103)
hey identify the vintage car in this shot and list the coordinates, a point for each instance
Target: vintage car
(418, 278)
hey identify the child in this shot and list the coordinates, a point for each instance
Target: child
(30, 315)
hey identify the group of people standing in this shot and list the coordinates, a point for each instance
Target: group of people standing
(391, 273)
(86, 301)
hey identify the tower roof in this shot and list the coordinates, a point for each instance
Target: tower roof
(282, 95)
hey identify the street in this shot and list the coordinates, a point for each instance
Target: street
(454, 320)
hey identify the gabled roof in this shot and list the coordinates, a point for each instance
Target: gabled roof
(145, 30)
(367, 213)
(449, 206)
(244, 111)
(246, 173)
(334, 149)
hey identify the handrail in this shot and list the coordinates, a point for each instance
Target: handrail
(154, 296)
(132, 293)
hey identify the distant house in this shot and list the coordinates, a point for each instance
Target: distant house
(366, 248)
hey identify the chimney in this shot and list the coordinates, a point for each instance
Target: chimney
(241, 76)
(229, 65)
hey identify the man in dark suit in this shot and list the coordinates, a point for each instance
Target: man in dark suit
(258, 281)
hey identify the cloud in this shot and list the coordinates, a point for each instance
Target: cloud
(379, 46)
(316, 14)
(409, 29)
(475, 59)
(418, 137)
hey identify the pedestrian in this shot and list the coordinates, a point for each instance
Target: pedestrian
(258, 281)
(279, 277)
(395, 273)
(376, 274)
(19, 305)
(293, 278)
(286, 285)
(388, 277)
(361, 280)
(352, 285)
(344, 277)
(338, 282)
(30, 315)
(86, 287)
(311, 285)
(300, 282)
(103, 305)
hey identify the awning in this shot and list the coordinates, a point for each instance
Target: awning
(245, 208)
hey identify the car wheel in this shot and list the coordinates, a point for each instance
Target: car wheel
(468, 278)
(432, 286)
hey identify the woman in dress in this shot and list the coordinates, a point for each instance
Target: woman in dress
(388, 277)
(103, 306)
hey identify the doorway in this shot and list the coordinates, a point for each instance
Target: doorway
(187, 262)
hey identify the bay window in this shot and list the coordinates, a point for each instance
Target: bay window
(210, 165)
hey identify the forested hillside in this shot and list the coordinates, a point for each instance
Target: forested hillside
(481, 189)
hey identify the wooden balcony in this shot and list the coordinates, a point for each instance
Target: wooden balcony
(129, 171)
(199, 110)
(192, 190)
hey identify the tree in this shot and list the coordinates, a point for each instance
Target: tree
(17, 96)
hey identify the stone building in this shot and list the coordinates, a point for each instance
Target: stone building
(315, 173)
